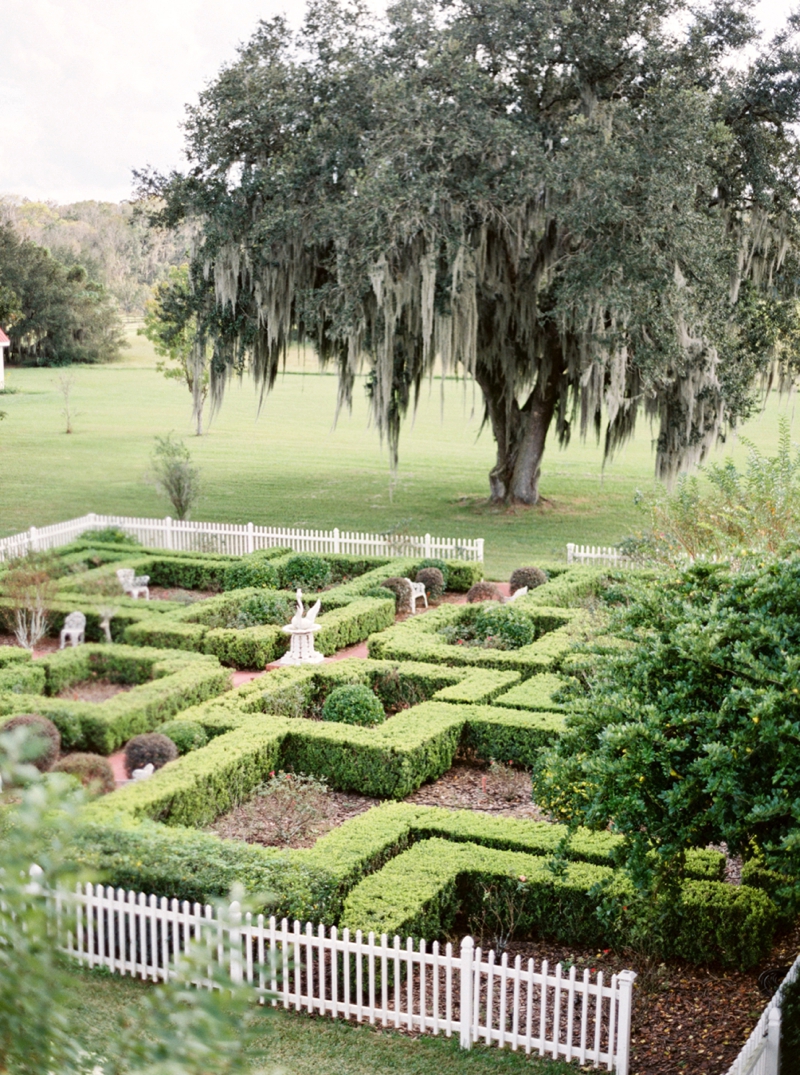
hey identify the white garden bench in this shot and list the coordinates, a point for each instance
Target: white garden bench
(518, 593)
(417, 591)
(74, 629)
(133, 584)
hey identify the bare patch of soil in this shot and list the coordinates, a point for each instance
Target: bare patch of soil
(93, 690)
(472, 787)
(184, 597)
(44, 645)
(251, 821)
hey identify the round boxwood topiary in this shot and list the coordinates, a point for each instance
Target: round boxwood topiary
(306, 572)
(433, 580)
(252, 570)
(185, 734)
(152, 747)
(402, 592)
(440, 565)
(484, 591)
(353, 704)
(507, 625)
(526, 576)
(45, 736)
(93, 771)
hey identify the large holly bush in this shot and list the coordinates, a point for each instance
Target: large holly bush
(692, 733)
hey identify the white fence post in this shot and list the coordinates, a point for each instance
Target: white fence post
(250, 539)
(336, 546)
(772, 1054)
(625, 982)
(465, 991)
(33, 539)
(570, 552)
(167, 532)
(427, 546)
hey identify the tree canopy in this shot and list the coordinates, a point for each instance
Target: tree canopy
(576, 204)
(54, 314)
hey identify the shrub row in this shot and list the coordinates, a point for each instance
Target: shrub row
(22, 678)
(536, 693)
(168, 683)
(418, 639)
(420, 893)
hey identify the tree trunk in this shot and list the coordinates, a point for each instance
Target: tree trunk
(520, 434)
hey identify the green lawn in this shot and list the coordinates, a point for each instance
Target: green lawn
(289, 466)
(302, 1045)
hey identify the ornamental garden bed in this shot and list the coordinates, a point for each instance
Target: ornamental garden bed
(419, 866)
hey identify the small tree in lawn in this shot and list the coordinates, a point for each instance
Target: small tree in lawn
(30, 589)
(175, 474)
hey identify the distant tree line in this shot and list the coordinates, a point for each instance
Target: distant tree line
(54, 313)
(113, 241)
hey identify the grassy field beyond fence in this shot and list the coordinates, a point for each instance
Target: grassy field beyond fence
(289, 466)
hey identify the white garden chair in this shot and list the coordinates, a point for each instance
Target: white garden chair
(133, 584)
(417, 591)
(74, 629)
(518, 593)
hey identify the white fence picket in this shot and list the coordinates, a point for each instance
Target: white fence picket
(597, 554)
(377, 981)
(237, 540)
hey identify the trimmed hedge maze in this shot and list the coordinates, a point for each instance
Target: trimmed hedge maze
(398, 867)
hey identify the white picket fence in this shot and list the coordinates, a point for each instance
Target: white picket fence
(761, 1052)
(597, 554)
(428, 989)
(238, 539)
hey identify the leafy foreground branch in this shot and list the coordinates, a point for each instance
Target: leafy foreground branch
(175, 1030)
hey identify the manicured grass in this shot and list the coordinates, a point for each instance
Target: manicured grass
(289, 466)
(304, 1045)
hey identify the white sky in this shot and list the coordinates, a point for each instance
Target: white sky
(90, 89)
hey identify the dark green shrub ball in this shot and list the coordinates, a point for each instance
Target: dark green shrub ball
(433, 580)
(150, 748)
(526, 576)
(507, 623)
(185, 734)
(252, 570)
(306, 573)
(440, 565)
(353, 704)
(483, 591)
(93, 770)
(45, 743)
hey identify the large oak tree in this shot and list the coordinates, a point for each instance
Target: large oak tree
(583, 206)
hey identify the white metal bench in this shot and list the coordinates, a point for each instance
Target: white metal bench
(74, 629)
(417, 591)
(133, 584)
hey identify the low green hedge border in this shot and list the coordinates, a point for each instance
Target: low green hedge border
(417, 639)
(537, 693)
(420, 893)
(166, 683)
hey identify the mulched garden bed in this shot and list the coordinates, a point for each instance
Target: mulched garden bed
(685, 1018)
(45, 645)
(251, 821)
(93, 690)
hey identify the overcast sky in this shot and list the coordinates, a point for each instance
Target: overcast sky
(90, 89)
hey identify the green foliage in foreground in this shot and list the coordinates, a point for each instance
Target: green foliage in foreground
(693, 735)
(178, 1029)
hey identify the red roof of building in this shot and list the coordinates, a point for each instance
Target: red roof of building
(4, 340)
